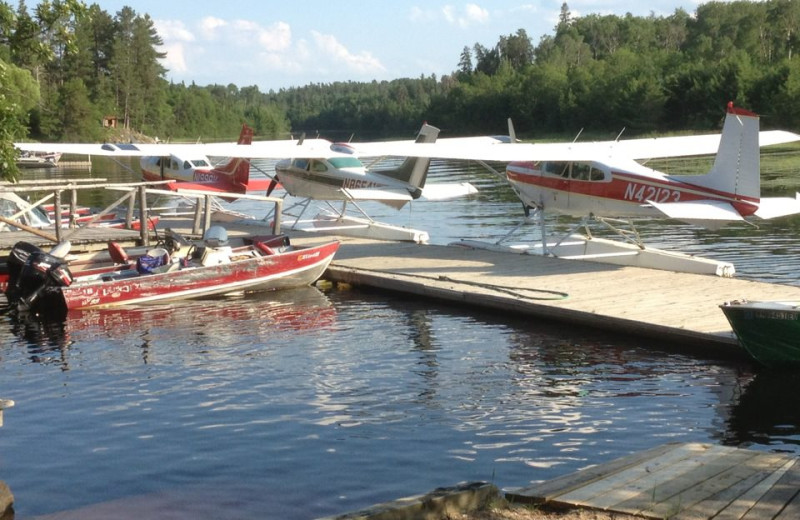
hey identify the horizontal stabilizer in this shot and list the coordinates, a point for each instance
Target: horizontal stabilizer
(707, 213)
(447, 191)
(773, 207)
(377, 194)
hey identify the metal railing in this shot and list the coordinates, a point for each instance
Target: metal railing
(135, 194)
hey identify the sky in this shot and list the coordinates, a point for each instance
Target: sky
(282, 44)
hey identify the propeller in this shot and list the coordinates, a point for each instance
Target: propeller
(274, 182)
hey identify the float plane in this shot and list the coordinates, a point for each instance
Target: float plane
(608, 180)
(341, 176)
(186, 164)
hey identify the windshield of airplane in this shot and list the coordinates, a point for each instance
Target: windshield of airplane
(346, 162)
(574, 170)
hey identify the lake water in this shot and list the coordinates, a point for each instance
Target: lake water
(313, 402)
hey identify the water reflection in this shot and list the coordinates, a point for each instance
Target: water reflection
(46, 341)
(767, 415)
(203, 325)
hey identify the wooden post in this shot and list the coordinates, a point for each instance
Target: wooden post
(131, 208)
(73, 208)
(57, 213)
(197, 213)
(144, 233)
(207, 213)
(276, 223)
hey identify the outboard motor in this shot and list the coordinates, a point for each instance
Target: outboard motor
(16, 261)
(40, 276)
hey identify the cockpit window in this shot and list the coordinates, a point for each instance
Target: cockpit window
(578, 171)
(199, 163)
(559, 168)
(301, 163)
(345, 162)
(581, 171)
(318, 166)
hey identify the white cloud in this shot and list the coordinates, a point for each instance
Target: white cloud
(277, 37)
(210, 24)
(477, 14)
(175, 60)
(472, 14)
(362, 62)
(173, 30)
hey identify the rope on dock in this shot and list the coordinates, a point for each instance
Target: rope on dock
(513, 291)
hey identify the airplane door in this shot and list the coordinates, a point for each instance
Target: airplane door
(557, 173)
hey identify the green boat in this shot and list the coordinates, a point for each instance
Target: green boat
(768, 331)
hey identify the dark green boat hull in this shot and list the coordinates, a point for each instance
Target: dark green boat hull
(769, 332)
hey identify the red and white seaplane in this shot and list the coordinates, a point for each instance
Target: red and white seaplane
(197, 171)
(608, 180)
(186, 164)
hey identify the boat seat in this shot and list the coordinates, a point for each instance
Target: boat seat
(118, 255)
(264, 248)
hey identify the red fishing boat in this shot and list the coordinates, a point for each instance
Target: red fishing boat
(43, 283)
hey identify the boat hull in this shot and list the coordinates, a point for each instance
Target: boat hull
(292, 268)
(768, 331)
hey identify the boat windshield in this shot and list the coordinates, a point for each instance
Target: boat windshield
(345, 162)
(35, 217)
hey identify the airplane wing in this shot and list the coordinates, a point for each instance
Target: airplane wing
(492, 149)
(312, 148)
(483, 148)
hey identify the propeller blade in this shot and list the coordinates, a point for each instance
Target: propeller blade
(272, 185)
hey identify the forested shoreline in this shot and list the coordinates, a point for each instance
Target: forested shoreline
(64, 66)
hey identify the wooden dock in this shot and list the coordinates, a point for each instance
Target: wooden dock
(681, 481)
(665, 305)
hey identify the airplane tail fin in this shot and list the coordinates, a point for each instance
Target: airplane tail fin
(737, 167)
(239, 168)
(414, 170)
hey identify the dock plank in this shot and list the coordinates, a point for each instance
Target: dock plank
(736, 509)
(774, 500)
(637, 489)
(682, 490)
(716, 494)
(545, 491)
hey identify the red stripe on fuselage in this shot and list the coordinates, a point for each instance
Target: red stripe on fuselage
(626, 187)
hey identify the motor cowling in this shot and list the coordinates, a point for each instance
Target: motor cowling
(40, 274)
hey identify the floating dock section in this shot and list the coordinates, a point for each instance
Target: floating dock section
(685, 481)
(671, 306)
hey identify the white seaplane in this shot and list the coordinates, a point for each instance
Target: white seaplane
(336, 173)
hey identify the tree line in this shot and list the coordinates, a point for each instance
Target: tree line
(65, 66)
